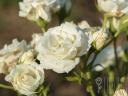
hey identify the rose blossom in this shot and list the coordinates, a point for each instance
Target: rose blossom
(61, 47)
(41, 9)
(26, 78)
(98, 38)
(115, 7)
(10, 54)
(35, 9)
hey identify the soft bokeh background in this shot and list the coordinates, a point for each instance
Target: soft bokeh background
(12, 26)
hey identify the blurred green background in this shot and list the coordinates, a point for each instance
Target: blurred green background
(8, 2)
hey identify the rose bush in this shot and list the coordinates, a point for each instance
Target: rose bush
(63, 47)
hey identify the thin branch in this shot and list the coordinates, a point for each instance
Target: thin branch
(97, 53)
(6, 87)
(115, 51)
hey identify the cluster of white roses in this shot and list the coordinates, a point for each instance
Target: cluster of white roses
(59, 48)
(17, 62)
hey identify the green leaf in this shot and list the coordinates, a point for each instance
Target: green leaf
(123, 26)
(43, 90)
(74, 79)
(42, 24)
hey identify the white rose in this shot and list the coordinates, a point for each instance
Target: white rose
(98, 38)
(115, 7)
(10, 54)
(120, 92)
(61, 47)
(26, 78)
(35, 9)
(106, 58)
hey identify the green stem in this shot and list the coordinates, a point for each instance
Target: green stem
(89, 85)
(42, 24)
(6, 87)
(120, 84)
(92, 91)
(45, 94)
(115, 51)
(87, 58)
(94, 58)
(104, 23)
(111, 79)
(10, 88)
